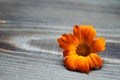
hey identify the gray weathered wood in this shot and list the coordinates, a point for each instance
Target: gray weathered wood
(28, 47)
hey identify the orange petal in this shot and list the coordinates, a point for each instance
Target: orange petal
(68, 53)
(88, 33)
(84, 33)
(70, 38)
(82, 64)
(96, 60)
(64, 45)
(77, 33)
(68, 41)
(91, 63)
(98, 45)
(69, 62)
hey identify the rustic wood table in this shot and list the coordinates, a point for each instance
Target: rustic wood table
(28, 47)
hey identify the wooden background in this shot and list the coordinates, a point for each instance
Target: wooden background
(28, 47)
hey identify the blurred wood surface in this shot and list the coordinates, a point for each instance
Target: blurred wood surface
(28, 47)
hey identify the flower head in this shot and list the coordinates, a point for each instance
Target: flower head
(81, 47)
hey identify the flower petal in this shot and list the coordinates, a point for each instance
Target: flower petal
(70, 38)
(68, 53)
(91, 63)
(84, 33)
(77, 33)
(64, 45)
(68, 41)
(82, 64)
(69, 62)
(98, 45)
(97, 61)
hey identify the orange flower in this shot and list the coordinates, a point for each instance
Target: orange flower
(80, 48)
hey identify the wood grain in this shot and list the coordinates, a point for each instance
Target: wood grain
(28, 47)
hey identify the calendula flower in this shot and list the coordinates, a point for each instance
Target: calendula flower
(81, 47)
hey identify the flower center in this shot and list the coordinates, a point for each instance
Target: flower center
(83, 49)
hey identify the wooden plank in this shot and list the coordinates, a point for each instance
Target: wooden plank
(28, 47)
(46, 66)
